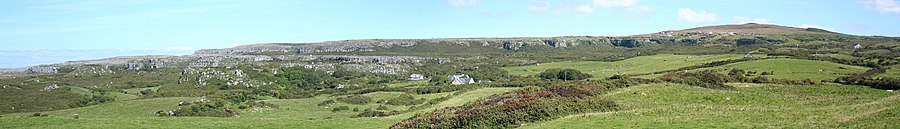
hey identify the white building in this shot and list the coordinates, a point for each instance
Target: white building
(461, 79)
(416, 77)
(857, 46)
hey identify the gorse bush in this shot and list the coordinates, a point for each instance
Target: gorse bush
(355, 99)
(341, 108)
(707, 79)
(564, 74)
(326, 103)
(885, 83)
(508, 110)
(405, 99)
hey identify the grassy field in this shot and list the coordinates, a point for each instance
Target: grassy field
(748, 106)
(797, 69)
(636, 65)
(893, 71)
(292, 113)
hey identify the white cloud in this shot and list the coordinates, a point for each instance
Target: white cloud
(626, 8)
(462, 3)
(637, 11)
(884, 6)
(615, 3)
(539, 6)
(688, 15)
(815, 26)
(584, 8)
(745, 19)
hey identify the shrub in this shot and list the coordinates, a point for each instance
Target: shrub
(405, 99)
(372, 113)
(563, 74)
(146, 92)
(341, 108)
(885, 83)
(508, 110)
(326, 103)
(707, 79)
(355, 99)
(381, 107)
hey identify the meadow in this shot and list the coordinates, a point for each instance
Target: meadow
(747, 106)
(636, 65)
(796, 69)
(291, 113)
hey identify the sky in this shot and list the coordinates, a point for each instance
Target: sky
(61, 30)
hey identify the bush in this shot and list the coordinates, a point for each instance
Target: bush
(372, 113)
(146, 92)
(508, 110)
(707, 79)
(355, 99)
(381, 107)
(326, 103)
(564, 74)
(405, 99)
(204, 108)
(341, 108)
(886, 83)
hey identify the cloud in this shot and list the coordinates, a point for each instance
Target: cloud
(815, 26)
(462, 3)
(626, 8)
(637, 11)
(551, 9)
(584, 8)
(688, 15)
(615, 3)
(883, 6)
(539, 6)
(745, 19)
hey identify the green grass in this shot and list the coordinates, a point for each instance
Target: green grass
(748, 106)
(137, 91)
(87, 92)
(636, 65)
(797, 69)
(292, 113)
(892, 71)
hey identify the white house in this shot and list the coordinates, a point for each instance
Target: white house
(748, 55)
(416, 77)
(857, 46)
(461, 79)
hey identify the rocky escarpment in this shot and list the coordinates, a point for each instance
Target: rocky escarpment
(376, 44)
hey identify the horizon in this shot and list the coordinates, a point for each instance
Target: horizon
(172, 28)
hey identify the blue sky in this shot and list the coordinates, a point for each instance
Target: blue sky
(177, 27)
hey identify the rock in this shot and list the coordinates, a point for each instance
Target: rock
(51, 87)
(43, 69)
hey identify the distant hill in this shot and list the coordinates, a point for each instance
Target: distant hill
(758, 28)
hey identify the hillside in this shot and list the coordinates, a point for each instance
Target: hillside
(706, 77)
(759, 29)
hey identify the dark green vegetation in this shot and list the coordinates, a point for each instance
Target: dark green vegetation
(795, 78)
(564, 74)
